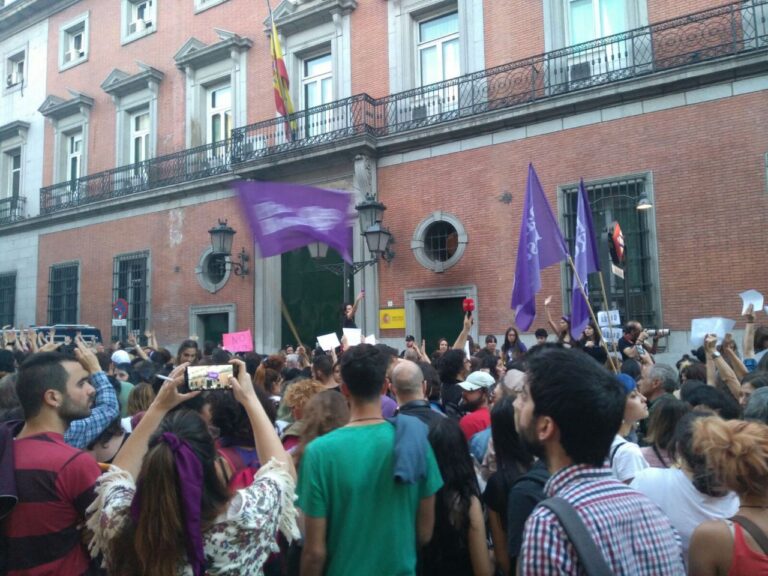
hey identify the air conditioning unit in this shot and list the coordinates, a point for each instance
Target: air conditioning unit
(73, 54)
(580, 72)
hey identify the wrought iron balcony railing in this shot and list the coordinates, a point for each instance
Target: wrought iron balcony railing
(12, 209)
(740, 27)
(184, 166)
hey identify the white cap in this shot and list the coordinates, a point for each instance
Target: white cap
(477, 380)
(121, 357)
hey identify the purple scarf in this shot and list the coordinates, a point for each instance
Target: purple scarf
(190, 471)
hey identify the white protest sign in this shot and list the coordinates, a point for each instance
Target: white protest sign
(602, 319)
(370, 339)
(329, 341)
(700, 327)
(615, 317)
(751, 297)
(354, 336)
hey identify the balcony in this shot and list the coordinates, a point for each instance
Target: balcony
(726, 31)
(12, 209)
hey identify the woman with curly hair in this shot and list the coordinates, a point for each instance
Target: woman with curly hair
(737, 451)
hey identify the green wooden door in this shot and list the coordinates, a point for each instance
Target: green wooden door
(440, 318)
(312, 296)
(214, 325)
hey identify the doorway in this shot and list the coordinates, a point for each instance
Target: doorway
(209, 323)
(440, 318)
(214, 326)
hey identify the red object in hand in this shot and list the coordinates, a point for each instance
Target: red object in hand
(468, 304)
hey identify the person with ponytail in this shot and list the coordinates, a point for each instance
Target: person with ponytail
(164, 509)
(737, 452)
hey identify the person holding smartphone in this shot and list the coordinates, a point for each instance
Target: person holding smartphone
(189, 522)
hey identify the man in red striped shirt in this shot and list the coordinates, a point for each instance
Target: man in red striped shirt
(54, 481)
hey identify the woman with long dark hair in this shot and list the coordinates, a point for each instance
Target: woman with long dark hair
(458, 546)
(512, 349)
(189, 352)
(164, 509)
(512, 461)
(590, 343)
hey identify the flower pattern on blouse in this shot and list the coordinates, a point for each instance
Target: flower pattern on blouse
(239, 541)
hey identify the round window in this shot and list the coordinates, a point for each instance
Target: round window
(439, 241)
(212, 270)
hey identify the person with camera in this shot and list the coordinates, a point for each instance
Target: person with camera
(634, 344)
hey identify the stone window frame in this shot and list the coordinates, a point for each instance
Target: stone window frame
(556, 21)
(60, 265)
(203, 5)
(403, 17)
(13, 136)
(126, 13)
(194, 311)
(81, 22)
(309, 29)
(201, 271)
(205, 66)
(417, 242)
(413, 315)
(12, 57)
(131, 94)
(68, 117)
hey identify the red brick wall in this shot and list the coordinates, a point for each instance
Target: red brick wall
(172, 291)
(370, 63)
(710, 203)
(514, 30)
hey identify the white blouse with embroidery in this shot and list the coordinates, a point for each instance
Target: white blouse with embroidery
(238, 542)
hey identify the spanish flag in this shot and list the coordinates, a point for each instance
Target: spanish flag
(280, 82)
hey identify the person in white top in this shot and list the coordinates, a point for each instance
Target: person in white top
(625, 457)
(688, 494)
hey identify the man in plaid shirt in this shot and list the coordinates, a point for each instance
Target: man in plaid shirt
(568, 413)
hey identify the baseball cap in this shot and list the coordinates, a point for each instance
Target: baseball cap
(477, 381)
(121, 357)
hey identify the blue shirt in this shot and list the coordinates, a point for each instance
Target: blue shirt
(105, 409)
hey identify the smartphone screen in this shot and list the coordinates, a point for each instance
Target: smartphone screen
(209, 377)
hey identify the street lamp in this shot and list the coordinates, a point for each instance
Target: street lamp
(221, 244)
(378, 239)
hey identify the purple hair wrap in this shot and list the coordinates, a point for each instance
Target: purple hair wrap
(190, 471)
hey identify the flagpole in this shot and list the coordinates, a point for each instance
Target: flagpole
(592, 314)
(287, 317)
(605, 303)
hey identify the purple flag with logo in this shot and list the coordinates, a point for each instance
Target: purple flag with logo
(585, 261)
(541, 245)
(285, 216)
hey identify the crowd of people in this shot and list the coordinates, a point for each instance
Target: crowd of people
(560, 458)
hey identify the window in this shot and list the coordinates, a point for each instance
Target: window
(139, 19)
(139, 137)
(317, 89)
(212, 270)
(130, 281)
(63, 293)
(7, 299)
(635, 296)
(219, 114)
(593, 19)
(201, 5)
(74, 143)
(15, 68)
(439, 241)
(438, 49)
(13, 182)
(73, 42)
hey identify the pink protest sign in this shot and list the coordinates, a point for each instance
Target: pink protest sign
(238, 341)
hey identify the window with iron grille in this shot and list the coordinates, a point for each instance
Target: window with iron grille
(7, 299)
(130, 281)
(63, 291)
(636, 296)
(439, 241)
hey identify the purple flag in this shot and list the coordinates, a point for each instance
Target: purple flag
(585, 261)
(541, 245)
(284, 217)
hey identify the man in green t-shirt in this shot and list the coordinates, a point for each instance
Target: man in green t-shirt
(359, 520)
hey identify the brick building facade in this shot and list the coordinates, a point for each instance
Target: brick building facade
(138, 115)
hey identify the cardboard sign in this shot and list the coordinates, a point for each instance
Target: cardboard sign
(700, 327)
(329, 341)
(608, 319)
(238, 341)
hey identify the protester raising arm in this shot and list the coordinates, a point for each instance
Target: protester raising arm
(716, 361)
(462, 338)
(729, 353)
(105, 406)
(749, 333)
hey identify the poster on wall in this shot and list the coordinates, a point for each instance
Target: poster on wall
(391, 318)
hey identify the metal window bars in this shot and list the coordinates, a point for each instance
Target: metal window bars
(12, 209)
(7, 299)
(63, 280)
(130, 281)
